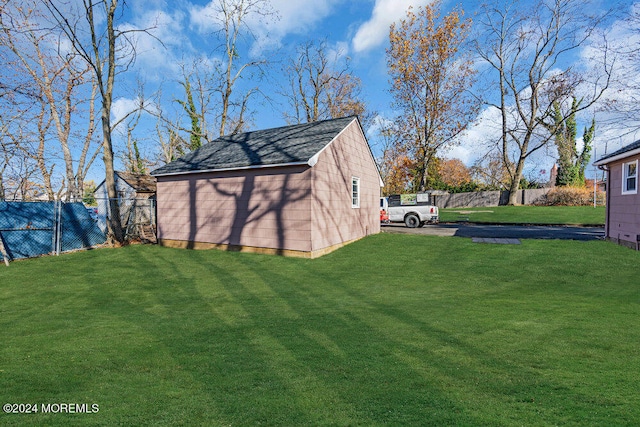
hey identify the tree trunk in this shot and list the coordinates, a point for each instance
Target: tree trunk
(39, 157)
(114, 223)
(513, 193)
(515, 184)
(424, 175)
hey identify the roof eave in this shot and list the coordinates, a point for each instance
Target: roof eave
(314, 159)
(615, 158)
(278, 165)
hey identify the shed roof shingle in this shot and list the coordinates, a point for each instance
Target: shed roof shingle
(295, 144)
(141, 183)
(618, 153)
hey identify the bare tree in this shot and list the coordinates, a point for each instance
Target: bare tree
(44, 122)
(6, 157)
(199, 85)
(527, 52)
(170, 126)
(621, 102)
(17, 170)
(490, 171)
(24, 129)
(28, 140)
(19, 102)
(430, 82)
(10, 143)
(172, 145)
(217, 92)
(106, 50)
(57, 80)
(321, 85)
(232, 18)
(7, 148)
(133, 159)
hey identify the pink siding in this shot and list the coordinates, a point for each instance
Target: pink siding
(334, 220)
(295, 208)
(623, 210)
(266, 208)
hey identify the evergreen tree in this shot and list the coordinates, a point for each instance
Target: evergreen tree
(190, 107)
(571, 162)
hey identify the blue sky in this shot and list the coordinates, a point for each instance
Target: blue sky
(358, 29)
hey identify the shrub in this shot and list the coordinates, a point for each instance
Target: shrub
(571, 196)
(465, 187)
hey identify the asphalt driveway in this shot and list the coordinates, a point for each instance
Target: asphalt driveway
(491, 231)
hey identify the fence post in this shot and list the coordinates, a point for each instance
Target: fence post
(5, 255)
(58, 226)
(54, 228)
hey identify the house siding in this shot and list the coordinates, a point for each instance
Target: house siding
(623, 210)
(334, 221)
(298, 210)
(262, 208)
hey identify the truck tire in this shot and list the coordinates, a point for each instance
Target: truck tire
(411, 221)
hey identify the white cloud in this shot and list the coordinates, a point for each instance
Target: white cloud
(376, 30)
(467, 155)
(298, 17)
(289, 17)
(484, 136)
(121, 107)
(616, 129)
(204, 18)
(377, 126)
(158, 36)
(338, 50)
(166, 27)
(479, 138)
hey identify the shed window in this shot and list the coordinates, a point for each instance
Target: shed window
(630, 178)
(355, 192)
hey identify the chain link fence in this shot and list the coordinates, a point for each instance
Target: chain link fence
(30, 229)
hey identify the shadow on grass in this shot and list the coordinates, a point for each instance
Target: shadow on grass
(259, 348)
(163, 336)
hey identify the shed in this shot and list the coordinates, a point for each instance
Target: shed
(301, 190)
(129, 186)
(622, 221)
(136, 197)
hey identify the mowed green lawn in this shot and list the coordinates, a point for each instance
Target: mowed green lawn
(390, 330)
(559, 215)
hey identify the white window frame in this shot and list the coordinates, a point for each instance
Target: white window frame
(355, 192)
(626, 177)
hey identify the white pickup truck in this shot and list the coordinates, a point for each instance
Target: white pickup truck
(415, 210)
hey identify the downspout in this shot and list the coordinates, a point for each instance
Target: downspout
(606, 211)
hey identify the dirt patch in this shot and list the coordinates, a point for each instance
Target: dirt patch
(495, 240)
(470, 212)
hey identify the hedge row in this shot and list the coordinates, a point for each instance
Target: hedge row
(571, 196)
